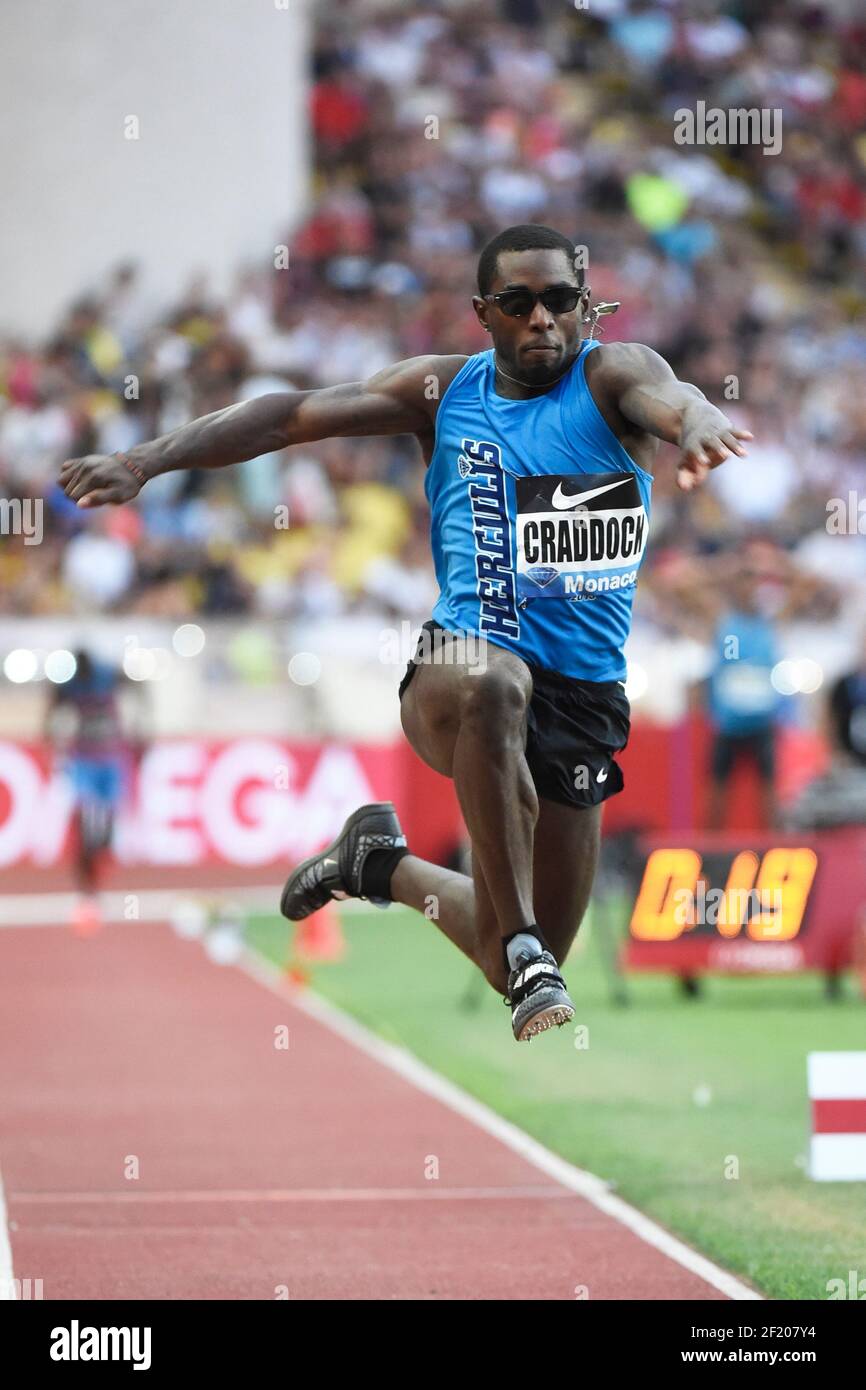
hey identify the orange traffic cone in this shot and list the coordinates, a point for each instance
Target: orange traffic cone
(320, 936)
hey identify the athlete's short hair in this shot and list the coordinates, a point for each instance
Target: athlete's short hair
(526, 236)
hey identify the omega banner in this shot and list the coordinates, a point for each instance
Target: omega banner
(251, 801)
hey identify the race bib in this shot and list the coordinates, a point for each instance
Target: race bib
(579, 534)
(746, 688)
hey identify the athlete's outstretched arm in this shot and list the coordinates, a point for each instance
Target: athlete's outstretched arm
(391, 402)
(647, 393)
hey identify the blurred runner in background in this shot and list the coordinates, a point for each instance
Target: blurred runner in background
(84, 723)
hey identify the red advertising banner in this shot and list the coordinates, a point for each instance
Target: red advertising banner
(247, 802)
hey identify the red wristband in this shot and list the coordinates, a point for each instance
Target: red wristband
(136, 472)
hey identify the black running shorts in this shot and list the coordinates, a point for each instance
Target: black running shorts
(574, 728)
(757, 748)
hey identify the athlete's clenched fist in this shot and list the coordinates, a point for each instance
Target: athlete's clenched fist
(101, 478)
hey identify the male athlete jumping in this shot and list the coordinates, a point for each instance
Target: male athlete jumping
(539, 454)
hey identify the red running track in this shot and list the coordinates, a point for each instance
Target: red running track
(262, 1172)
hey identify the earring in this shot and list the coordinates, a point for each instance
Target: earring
(595, 314)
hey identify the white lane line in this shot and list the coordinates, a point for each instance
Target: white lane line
(7, 1281)
(152, 905)
(585, 1184)
(292, 1194)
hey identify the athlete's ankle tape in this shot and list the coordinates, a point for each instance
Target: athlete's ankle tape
(378, 868)
(531, 930)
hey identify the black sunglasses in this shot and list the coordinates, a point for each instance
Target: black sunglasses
(559, 299)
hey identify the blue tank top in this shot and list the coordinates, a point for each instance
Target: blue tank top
(743, 699)
(539, 522)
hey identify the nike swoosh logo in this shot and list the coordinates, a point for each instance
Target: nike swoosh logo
(560, 500)
(602, 776)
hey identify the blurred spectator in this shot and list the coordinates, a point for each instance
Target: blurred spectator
(743, 704)
(737, 604)
(838, 795)
(847, 713)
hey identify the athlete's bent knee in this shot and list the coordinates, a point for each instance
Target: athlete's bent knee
(496, 698)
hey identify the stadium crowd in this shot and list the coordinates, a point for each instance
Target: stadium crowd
(434, 125)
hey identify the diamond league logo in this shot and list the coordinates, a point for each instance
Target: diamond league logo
(464, 466)
(542, 575)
